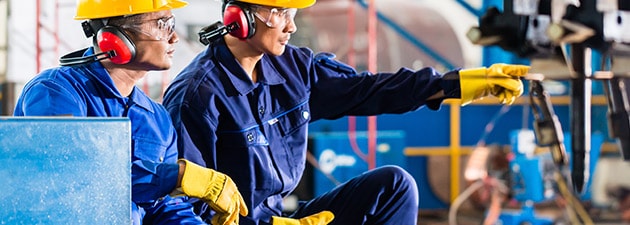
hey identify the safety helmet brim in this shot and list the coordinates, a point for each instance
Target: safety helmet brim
(106, 9)
(299, 4)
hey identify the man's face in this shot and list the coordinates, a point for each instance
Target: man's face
(154, 36)
(274, 27)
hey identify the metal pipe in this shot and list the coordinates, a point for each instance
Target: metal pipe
(580, 115)
(8, 98)
(618, 114)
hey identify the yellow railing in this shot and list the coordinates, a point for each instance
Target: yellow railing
(455, 150)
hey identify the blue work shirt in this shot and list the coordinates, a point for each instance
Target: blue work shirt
(87, 90)
(257, 132)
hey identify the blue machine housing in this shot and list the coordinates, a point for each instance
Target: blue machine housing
(337, 158)
(532, 177)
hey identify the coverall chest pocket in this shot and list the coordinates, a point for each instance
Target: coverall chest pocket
(292, 126)
(293, 119)
(239, 150)
(147, 149)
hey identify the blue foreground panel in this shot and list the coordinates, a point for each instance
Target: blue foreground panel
(64, 170)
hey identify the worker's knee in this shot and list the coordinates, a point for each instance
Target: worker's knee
(397, 178)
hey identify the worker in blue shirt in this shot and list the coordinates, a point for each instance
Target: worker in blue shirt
(131, 38)
(243, 107)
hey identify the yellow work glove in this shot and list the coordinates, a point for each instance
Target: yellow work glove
(216, 189)
(321, 218)
(501, 80)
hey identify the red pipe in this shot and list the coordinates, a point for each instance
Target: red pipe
(165, 82)
(57, 41)
(351, 31)
(38, 63)
(145, 85)
(372, 66)
(352, 120)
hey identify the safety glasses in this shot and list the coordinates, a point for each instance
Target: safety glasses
(162, 29)
(274, 17)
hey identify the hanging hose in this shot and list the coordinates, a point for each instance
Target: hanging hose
(498, 189)
(490, 125)
(313, 161)
(461, 198)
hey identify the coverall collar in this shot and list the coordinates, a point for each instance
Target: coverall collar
(103, 77)
(240, 80)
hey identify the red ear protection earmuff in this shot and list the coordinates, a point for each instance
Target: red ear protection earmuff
(111, 38)
(115, 45)
(241, 15)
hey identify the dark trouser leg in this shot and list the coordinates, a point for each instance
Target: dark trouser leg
(385, 195)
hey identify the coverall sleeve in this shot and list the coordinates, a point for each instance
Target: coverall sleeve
(154, 158)
(152, 180)
(151, 184)
(338, 90)
(197, 137)
(48, 98)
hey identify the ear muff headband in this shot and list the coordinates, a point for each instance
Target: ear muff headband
(114, 44)
(111, 38)
(77, 58)
(241, 15)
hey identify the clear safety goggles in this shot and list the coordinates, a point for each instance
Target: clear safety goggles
(274, 17)
(162, 29)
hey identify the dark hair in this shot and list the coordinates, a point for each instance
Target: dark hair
(123, 20)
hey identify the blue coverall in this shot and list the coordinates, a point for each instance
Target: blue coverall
(88, 91)
(257, 132)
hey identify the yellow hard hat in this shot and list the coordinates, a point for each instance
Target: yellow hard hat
(300, 4)
(96, 9)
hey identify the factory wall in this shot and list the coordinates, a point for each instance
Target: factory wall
(411, 33)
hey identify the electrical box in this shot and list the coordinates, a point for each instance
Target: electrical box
(339, 157)
(65, 170)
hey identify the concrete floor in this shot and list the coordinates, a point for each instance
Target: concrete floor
(476, 217)
(441, 218)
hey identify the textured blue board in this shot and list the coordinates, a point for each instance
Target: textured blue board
(64, 170)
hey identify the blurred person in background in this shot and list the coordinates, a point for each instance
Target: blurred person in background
(130, 38)
(243, 106)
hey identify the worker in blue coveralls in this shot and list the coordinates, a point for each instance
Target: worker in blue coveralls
(132, 37)
(243, 107)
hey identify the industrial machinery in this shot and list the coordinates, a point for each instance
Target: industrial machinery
(580, 42)
(538, 172)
